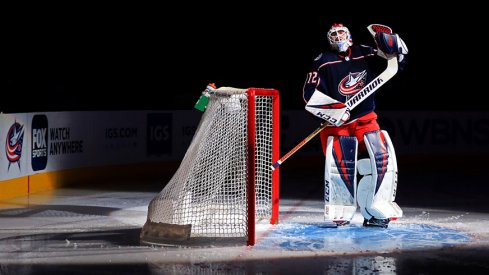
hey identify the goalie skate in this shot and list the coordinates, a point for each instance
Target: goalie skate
(373, 222)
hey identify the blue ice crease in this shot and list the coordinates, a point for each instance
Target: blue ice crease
(355, 238)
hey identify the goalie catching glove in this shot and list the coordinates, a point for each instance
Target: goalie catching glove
(390, 44)
(329, 109)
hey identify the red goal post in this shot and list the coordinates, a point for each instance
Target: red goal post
(252, 127)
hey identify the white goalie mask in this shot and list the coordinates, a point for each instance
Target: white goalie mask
(339, 38)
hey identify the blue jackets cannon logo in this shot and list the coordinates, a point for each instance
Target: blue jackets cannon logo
(14, 143)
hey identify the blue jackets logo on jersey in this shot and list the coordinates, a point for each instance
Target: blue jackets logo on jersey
(352, 83)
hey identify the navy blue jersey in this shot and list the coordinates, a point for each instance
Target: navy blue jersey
(341, 75)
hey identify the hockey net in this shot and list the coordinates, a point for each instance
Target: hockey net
(224, 184)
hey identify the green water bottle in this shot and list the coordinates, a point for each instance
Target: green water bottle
(204, 98)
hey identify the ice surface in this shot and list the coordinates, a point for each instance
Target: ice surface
(102, 227)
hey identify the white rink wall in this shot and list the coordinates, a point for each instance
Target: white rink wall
(46, 142)
(53, 141)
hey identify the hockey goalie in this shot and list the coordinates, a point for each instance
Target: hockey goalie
(360, 166)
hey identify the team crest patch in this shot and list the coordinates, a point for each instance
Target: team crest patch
(352, 83)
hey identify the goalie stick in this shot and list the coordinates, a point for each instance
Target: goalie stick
(359, 97)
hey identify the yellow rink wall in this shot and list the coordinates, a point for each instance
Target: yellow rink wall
(14, 188)
(88, 176)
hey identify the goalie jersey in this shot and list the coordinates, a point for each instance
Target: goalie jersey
(342, 75)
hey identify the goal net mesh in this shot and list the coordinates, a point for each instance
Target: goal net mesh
(209, 189)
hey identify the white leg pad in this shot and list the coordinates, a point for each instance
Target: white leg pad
(340, 179)
(377, 189)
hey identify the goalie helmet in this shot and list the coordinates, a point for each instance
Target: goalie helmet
(339, 38)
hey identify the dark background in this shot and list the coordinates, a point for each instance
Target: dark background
(160, 57)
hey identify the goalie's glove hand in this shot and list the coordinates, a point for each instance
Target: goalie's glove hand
(390, 44)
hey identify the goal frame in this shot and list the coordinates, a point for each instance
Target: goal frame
(260, 143)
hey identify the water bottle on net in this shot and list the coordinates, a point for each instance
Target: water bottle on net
(204, 97)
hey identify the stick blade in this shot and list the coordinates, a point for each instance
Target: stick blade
(328, 225)
(325, 224)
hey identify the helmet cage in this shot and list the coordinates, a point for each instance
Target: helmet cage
(339, 38)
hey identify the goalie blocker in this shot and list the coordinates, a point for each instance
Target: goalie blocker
(376, 189)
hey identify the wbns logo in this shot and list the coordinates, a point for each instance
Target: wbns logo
(39, 142)
(159, 134)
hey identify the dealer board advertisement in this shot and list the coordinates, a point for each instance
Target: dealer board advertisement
(41, 142)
